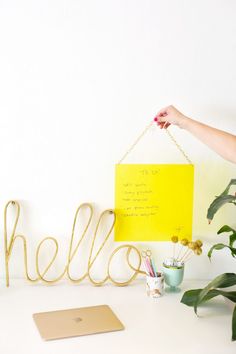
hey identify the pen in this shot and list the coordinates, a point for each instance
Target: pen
(154, 267)
(145, 266)
(151, 272)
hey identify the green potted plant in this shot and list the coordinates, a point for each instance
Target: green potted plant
(196, 297)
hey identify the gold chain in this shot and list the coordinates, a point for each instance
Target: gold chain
(178, 146)
(144, 132)
(136, 142)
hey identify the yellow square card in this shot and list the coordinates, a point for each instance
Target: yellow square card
(153, 202)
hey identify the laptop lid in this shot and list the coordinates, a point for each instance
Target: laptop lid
(77, 322)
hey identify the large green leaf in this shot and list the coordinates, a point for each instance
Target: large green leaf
(220, 200)
(232, 237)
(231, 183)
(225, 228)
(190, 297)
(234, 324)
(197, 296)
(222, 281)
(218, 203)
(220, 246)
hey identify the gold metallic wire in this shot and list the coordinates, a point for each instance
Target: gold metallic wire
(92, 260)
(41, 276)
(136, 270)
(13, 238)
(8, 247)
(72, 254)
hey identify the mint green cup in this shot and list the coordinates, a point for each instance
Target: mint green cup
(173, 275)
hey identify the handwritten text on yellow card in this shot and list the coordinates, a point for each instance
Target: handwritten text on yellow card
(153, 202)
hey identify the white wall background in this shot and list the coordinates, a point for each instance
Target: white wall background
(79, 80)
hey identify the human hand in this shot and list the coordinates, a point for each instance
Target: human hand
(170, 115)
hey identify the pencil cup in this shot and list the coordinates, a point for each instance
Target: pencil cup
(155, 285)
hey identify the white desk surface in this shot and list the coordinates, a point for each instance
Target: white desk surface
(151, 326)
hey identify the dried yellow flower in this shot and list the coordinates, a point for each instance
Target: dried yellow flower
(174, 239)
(192, 245)
(184, 242)
(199, 243)
(198, 251)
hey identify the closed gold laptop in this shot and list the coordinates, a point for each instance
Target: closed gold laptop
(77, 322)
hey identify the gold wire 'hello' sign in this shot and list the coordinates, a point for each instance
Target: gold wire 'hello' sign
(73, 249)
